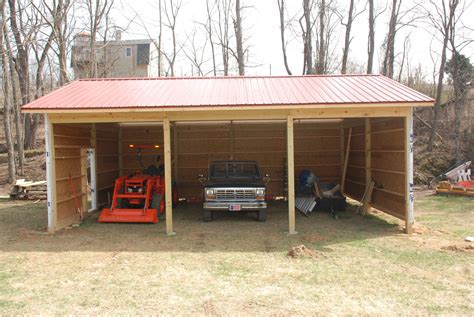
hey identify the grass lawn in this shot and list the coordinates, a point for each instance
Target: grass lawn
(363, 265)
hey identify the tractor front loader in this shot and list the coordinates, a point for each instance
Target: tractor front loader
(138, 197)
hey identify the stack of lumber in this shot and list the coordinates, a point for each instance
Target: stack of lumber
(461, 188)
(29, 190)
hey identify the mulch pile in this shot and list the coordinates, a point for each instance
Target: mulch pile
(457, 248)
(301, 251)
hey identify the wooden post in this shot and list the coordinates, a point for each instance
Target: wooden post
(368, 164)
(291, 175)
(120, 151)
(231, 140)
(341, 145)
(175, 152)
(409, 196)
(93, 165)
(168, 183)
(50, 174)
(346, 160)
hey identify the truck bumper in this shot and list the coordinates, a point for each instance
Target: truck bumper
(254, 205)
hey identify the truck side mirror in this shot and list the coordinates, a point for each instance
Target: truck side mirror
(266, 179)
(202, 179)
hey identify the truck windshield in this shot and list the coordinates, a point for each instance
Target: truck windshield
(234, 170)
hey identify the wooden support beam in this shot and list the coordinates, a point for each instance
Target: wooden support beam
(175, 153)
(346, 160)
(341, 145)
(93, 165)
(50, 175)
(168, 183)
(409, 196)
(368, 163)
(120, 150)
(291, 176)
(84, 208)
(231, 140)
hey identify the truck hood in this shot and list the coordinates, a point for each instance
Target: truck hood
(239, 182)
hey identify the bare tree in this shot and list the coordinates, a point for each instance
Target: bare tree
(371, 40)
(171, 10)
(223, 34)
(208, 26)
(238, 37)
(6, 100)
(321, 63)
(440, 15)
(352, 14)
(281, 9)
(195, 52)
(307, 30)
(97, 11)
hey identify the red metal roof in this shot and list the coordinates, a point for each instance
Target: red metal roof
(227, 91)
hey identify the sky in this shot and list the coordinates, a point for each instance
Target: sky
(262, 34)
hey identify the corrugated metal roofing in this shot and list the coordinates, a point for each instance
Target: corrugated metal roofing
(227, 91)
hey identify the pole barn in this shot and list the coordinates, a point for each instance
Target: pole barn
(355, 130)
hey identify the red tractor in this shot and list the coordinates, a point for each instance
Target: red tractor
(139, 197)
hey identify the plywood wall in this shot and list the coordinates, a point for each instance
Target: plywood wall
(70, 142)
(107, 160)
(387, 164)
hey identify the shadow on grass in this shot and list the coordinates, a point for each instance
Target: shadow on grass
(24, 231)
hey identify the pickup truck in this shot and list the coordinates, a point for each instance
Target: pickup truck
(236, 186)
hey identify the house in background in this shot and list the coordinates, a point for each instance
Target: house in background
(117, 58)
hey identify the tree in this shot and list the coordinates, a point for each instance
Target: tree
(238, 37)
(281, 9)
(171, 10)
(371, 40)
(6, 100)
(440, 14)
(352, 14)
(307, 30)
(459, 69)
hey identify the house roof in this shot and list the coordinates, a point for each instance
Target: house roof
(191, 92)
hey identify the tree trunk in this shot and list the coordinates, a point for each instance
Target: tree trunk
(371, 41)
(19, 119)
(238, 38)
(389, 58)
(321, 67)
(281, 8)
(308, 49)
(347, 37)
(7, 102)
(439, 89)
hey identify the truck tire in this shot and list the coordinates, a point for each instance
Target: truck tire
(262, 215)
(207, 215)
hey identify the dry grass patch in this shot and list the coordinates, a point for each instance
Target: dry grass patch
(236, 265)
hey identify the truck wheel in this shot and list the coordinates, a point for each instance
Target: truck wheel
(207, 215)
(262, 215)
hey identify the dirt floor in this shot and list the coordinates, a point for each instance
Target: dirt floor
(357, 265)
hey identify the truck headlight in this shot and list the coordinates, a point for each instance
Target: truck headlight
(260, 194)
(210, 194)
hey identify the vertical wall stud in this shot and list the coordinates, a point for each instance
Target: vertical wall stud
(50, 174)
(291, 175)
(168, 183)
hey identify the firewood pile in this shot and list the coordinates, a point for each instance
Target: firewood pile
(32, 190)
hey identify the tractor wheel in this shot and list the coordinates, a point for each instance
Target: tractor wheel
(207, 215)
(175, 195)
(262, 215)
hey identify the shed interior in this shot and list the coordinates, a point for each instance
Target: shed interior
(376, 152)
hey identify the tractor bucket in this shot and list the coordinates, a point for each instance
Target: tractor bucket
(128, 215)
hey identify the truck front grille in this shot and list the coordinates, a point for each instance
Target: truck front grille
(235, 194)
